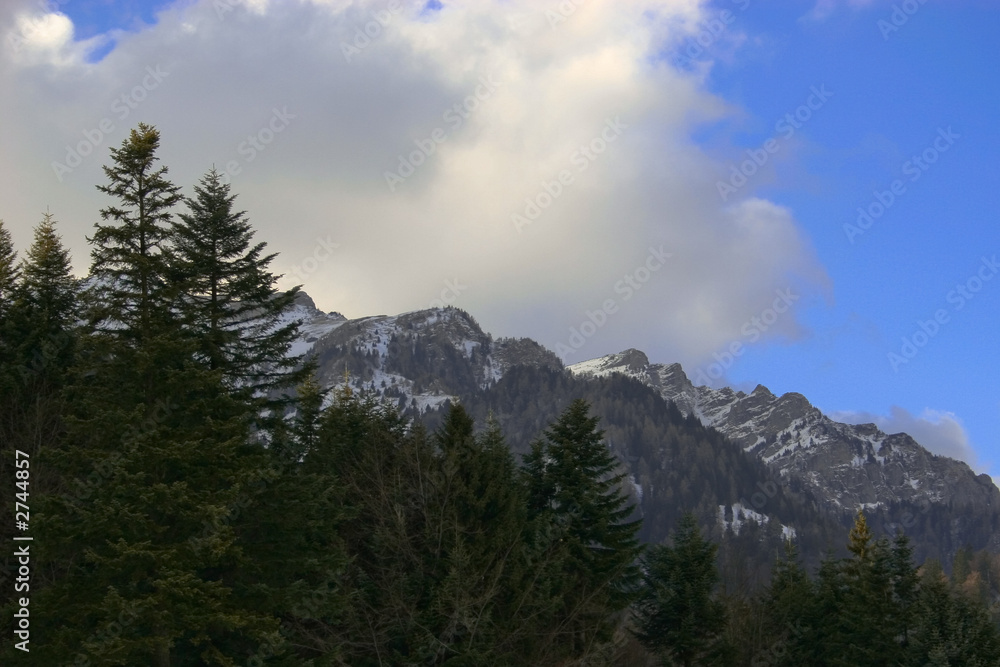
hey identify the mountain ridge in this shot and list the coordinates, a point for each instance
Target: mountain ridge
(425, 359)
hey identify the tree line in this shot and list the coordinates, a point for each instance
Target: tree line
(198, 499)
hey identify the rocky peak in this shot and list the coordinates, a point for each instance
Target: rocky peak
(845, 466)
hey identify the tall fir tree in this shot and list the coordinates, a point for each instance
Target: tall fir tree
(229, 302)
(826, 631)
(677, 616)
(130, 291)
(868, 603)
(47, 306)
(37, 334)
(474, 526)
(581, 516)
(788, 600)
(155, 445)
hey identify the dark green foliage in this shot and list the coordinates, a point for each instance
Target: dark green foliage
(787, 605)
(153, 450)
(677, 615)
(37, 344)
(228, 301)
(873, 609)
(9, 272)
(130, 293)
(679, 463)
(45, 311)
(581, 516)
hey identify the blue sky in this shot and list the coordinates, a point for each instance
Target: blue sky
(883, 92)
(892, 91)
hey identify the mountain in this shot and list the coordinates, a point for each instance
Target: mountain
(755, 466)
(852, 465)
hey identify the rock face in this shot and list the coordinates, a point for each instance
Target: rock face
(845, 466)
(420, 359)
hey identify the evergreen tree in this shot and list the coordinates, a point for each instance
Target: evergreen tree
(131, 294)
(153, 451)
(868, 604)
(788, 602)
(581, 524)
(473, 528)
(37, 334)
(307, 424)
(9, 272)
(905, 590)
(288, 526)
(155, 446)
(46, 308)
(677, 615)
(827, 633)
(229, 302)
(951, 629)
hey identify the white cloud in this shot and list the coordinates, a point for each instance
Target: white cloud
(322, 178)
(940, 432)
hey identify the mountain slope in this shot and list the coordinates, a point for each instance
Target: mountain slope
(781, 467)
(845, 465)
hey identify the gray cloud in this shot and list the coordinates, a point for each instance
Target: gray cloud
(321, 181)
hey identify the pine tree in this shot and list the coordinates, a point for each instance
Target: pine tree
(827, 633)
(788, 602)
(10, 274)
(155, 446)
(950, 629)
(289, 528)
(868, 607)
(677, 615)
(9, 271)
(581, 523)
(46, 307)
(130, 288)
(475, 525)
(152, 452)
(37, 335)
(905, 589)
(860, 538)
(229, 302)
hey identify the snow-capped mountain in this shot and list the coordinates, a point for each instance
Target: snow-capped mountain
(423, 359)
(846, 465)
